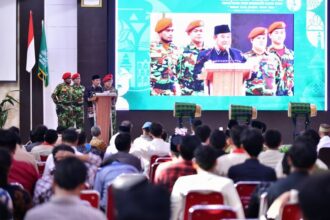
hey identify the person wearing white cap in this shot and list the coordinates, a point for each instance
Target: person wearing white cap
(324, 132)
(144, 138)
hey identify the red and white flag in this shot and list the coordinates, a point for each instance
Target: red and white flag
(31, 54)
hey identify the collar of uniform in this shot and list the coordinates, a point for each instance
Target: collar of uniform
(221, 51)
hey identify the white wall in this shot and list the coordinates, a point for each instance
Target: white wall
(8, 40)
(61, 34)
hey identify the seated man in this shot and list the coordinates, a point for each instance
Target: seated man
(271, 156)
(205, 157)
(47, 146)
(251, 169)
(183, 166)
(69, 179)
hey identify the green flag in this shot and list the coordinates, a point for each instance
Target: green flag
(43, 59)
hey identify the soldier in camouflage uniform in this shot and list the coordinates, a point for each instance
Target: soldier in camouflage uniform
(266, 77)
(62, 97)
(164, 55)
(108, 87)
(277, 35)
(189, 84)
(78, 101)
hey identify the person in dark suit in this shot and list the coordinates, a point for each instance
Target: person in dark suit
(252, 169)
(301, 156)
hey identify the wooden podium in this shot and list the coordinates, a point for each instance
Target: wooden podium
(227, 78)
(103, 114)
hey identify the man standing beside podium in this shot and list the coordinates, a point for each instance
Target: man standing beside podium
(266, 75)
(90, 97)
(220, 53)
(78, 101)
(108, 87)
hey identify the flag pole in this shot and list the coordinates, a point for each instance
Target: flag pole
(31, 100)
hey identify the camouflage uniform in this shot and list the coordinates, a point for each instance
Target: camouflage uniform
(62, 97)
(113, 109)
(78, 105)
(268, 80)
(287, 60)
(189, 84)
(163, 78)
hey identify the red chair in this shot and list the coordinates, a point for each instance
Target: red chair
(291, 211)
(163, 159)
(110, 209)
(201, 197)
(43, 158)
(41, 167)
(211, 212)
(153, 159)
(153, 172)
(91, 196)
(245, 190)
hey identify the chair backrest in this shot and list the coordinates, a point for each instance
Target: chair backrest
(91, 196)
(110, 209)
(201, 197)
(153, 172)
(291, 211)
(163, 159)
(211, 212)
(41, 167)
(245, 190)
(324, 155)
(153, 159)
(263, 207)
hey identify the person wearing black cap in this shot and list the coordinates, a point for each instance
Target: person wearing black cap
(89, 97)
(220, 53)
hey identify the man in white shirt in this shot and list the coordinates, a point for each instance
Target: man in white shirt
(324, 132)
(271, 156)
(144, 138)
(237, 156)
(47, 146)
(205, 179)
(156, 147)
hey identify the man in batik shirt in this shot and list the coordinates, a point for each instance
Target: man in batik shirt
(189, 84)
(164, 55)
(266, 76)
(277, 35)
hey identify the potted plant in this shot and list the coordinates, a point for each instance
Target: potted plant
(5, 106)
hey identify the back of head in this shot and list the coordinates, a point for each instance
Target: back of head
(205, 157)
(302, 154)
(156, 129)
(259, 125)
(314, 196)
(125, 126)
(16, 131)
(70, 173)
(232, 123)
(123, 142)
(235, 134)
(188, 147)
(324, 129)
(5, 163)
(39, 133)
(95, 131)
(273, 138)
(218, 139)
(252, 141)
(51, 136)
(60, 129)
(175, 142)
(70, 136)
(82, 138)
(61, 147)
(196, 123)
(8, 140)
(203, 132)
(313, 136)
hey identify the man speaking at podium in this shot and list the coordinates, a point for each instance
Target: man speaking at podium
(220, 53)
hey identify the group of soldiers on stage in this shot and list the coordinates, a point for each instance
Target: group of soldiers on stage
(175, 71)
(70, 99)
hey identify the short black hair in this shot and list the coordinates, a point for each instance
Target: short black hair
(314, 196)
(8, 140)
(5, 163)
(51, 136)
(60, 129)
(82, 138)
(123, 142)
(70, 135)
(235, 134)
(188, 147)
(313, 136)
(61, 147)
(203, 132)
(218, 139)
(206, 157)
(17, 133)
(175, 141)
(125, 126)
(39, 133)
(232, 123)
(259, 125)
(195, 123)
(252, 141)
(156, 129)
(273, 138)
(70, 173)
(302, 153)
